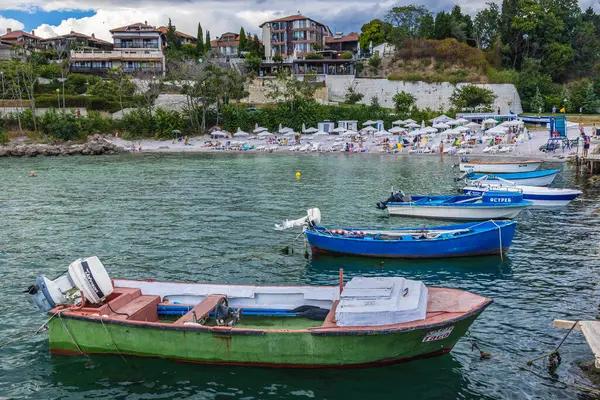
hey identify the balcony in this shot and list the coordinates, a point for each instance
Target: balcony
(136, 45)
(98, 71)
(99, 55)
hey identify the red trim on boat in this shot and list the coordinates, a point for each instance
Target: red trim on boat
(318, 251)
(378, 363)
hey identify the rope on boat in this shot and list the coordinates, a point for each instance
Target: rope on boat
(69, 333)
(565, 383)
(39, 330)
(554, 358)
(500, 237)
(112, 340)
(482, 354)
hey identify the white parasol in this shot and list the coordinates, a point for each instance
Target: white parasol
(311, 130)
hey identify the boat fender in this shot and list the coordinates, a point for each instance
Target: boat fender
(313, 313)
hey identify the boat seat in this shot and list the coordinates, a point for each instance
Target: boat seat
(202, 309)
(142, 308)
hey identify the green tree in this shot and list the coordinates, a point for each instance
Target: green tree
(472, 98)
(207, 45)
(443, 26)
(427, 26)
(375, 63)
(487, 26)
(407, 19)
(530, 79)
(537, 102)
(590, 100)
(253, 62)
(277, 57)
(403, 102)
(352, 96)
(375, 32)
(204, 92)
(200, 41)
(173, 39)
(242, 44)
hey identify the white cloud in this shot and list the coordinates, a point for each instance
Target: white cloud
(10, 23)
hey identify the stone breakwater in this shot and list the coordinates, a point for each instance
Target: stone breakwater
(96, 145)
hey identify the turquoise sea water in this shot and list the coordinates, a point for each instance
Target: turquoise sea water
(210, 218)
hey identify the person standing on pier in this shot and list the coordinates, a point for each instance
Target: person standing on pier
(586, 144)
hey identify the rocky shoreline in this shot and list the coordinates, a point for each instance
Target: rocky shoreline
(96, 145)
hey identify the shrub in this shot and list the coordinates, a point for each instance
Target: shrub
(51, 101)
(347, 55)
(3, 135)
(375, 63)
(352, 96)
(502, 76)
(50, 71)
(314, 56)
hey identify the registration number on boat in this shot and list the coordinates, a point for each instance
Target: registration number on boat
(439, 334)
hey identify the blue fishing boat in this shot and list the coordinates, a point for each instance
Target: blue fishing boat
(534, 178)
(464, 240)
(490, 205)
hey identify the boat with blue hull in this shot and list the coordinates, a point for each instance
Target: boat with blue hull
(535, 178)
(490, 205)
(464, 240)
(539, 196)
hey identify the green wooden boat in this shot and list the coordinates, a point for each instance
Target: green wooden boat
(367, 322)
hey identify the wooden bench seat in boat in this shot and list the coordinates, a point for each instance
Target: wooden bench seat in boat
(128, 304)
(201, 310)
(330, 318)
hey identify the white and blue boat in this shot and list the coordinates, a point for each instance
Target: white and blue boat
(539, 196)
(490, 205)
(534, 178)
(464, 240)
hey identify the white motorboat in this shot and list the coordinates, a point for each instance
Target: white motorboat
(539, 196)
(501, 166)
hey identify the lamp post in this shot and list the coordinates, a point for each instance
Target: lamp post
(58, 97)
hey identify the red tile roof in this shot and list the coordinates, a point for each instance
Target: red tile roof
(77, 34)
(18, 34)
(351, 37)
(290, 18)
(136, 25)
(164, 29)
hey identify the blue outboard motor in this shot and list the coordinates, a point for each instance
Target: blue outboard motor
(502, 197)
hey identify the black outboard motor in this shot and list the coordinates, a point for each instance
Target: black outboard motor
(397, 196)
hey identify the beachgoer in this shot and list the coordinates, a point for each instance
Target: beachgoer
(498, 110)
(185, 142)
(553, 110)
(441, 147)
(586, 144)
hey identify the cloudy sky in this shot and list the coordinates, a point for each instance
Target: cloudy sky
(56, 17)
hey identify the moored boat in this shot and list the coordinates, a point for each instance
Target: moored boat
(501, 166)
(368, 321)
(535, 178)
(490, 205)
(538, 195)
(464, 240)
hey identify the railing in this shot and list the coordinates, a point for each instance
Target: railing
(136, 45)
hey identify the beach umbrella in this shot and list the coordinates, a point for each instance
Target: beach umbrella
(499, 130)
(311, 130)
(280, 128)
(259, 129)
(451, 122)
(369, 129)
(413, 125)
(441, 125)
(382, 133)
(451, 132)
(339, 129)
(290, 134)
(473, 125)
(462, 129)
(399, 122)
(512, 123)
(429, 129)
(423, 124)
(321, 133)
(441, 118)
(218, 134)
(285, 130)
(410, 121)
(461, 121)
(490, 121)
(369, 122)
(265, 134)
(241, 133)
(397, 129)
(303, 127)
(347, 134)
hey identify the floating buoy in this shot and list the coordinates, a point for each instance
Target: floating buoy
(33, 174)
(298, 174)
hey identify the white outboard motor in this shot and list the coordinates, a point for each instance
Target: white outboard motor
(313, 218)
(87, 276)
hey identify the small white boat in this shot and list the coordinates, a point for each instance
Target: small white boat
(501, 166)
(539, 196)
(535, 178)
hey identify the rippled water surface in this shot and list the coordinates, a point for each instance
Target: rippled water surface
(210, 218)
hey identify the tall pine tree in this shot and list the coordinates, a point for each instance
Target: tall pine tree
(200, 41)
(172, 39)
(242, 43)
(207, 47)
(258, 47)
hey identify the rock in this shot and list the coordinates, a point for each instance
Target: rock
(4, 152)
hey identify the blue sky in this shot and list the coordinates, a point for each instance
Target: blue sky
(32, 20)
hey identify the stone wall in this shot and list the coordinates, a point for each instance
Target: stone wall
(259, 88)
(432, 95)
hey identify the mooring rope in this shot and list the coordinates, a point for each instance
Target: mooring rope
(500, 237)
(69, 333)
(44, 325)
(112, 340)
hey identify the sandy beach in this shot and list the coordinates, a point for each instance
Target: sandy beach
(333, 144)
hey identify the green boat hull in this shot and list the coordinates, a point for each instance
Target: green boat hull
(294, 348)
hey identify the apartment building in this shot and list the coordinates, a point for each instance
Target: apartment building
(138, 48)
(293, 37)
(341, 43)
(76, 40)
(183, 37)
(22, 38)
